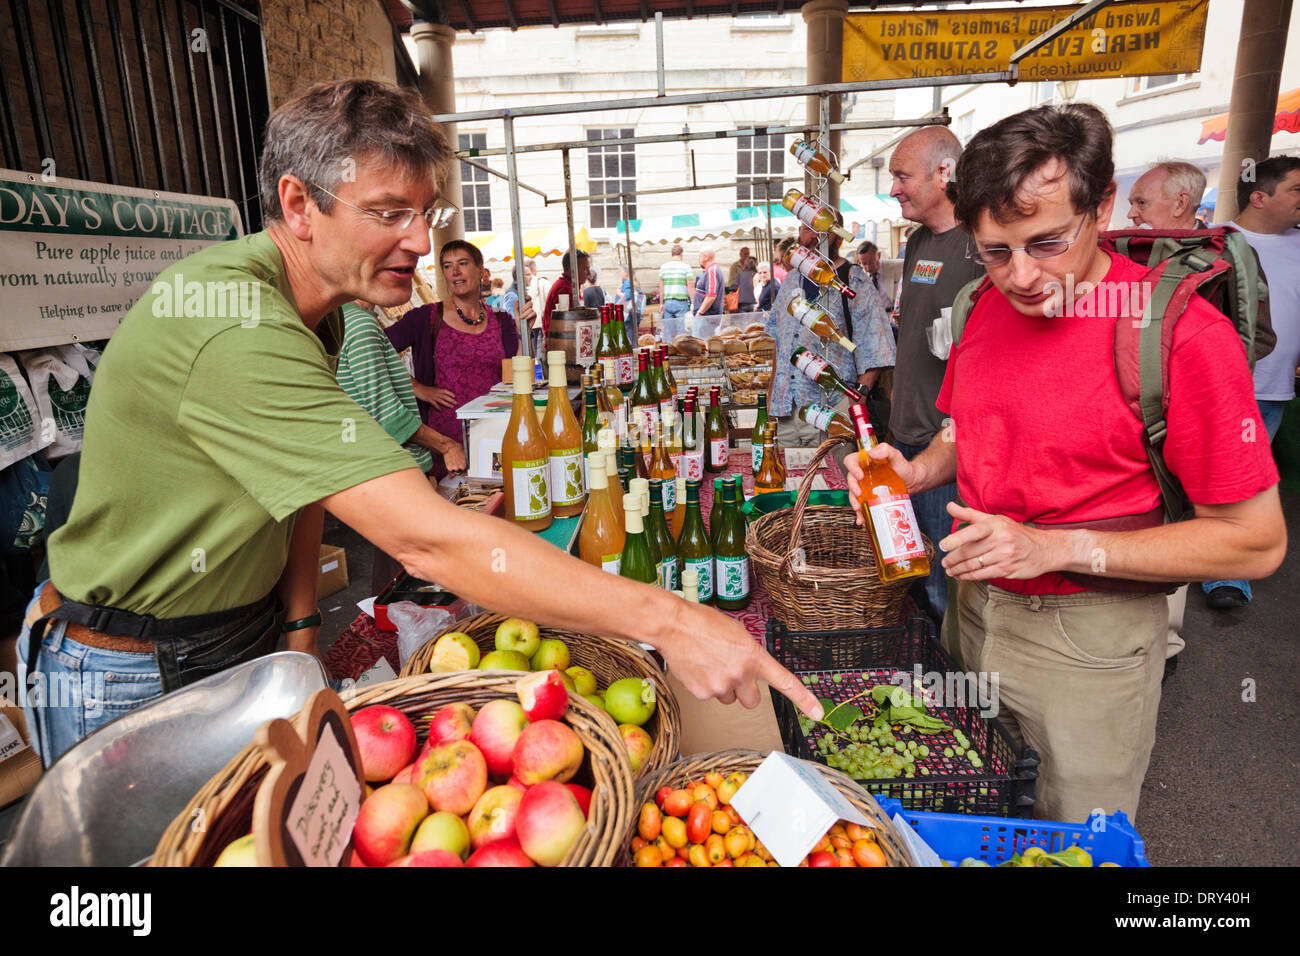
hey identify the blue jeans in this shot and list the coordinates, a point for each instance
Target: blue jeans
(1271, 413)
(671, 318)
(936, 524)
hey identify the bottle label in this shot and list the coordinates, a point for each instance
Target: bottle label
(668, 574)
(676, 458)
(807, 208)
(704, 568)
(667, 412)
(648, 419)
(626, 373)
(803, 152)
(531, 492)
(756, 456)
(620, 425)
(718, 452)
(810, 364)
(613, 563)
(896, 529)
(733, 577)
(568, 476)
(693, 461)
(669, 490)
(819, 416)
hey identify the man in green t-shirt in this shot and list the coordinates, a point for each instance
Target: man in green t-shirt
(217, 436)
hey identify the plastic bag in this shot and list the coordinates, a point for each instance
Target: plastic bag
(416, 626)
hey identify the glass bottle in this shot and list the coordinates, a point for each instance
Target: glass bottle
(731, 563)
(895, 534)
(564, 441)
(756, 436)
(808, 156)
(715, 434)
(624, 358)
(828, 420)
(817, 321)
(591, 425)
(664, 469)
(638, 564)
(715, 512)
(663, 537)
(614, 398)
(601, 540)
(692, 457)
(813, 213)
(691, 585)
(771, 476)
(525, 457)
(641, 488)
(667, 406)
(616, 489)
(820, 371)
(678, 516)
(645, 395)
(816, 267)
(693, 548)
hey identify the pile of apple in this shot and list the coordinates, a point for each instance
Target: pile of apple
(520, 647)
(697, 826)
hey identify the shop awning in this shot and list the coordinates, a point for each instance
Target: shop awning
(1287, 119)
(543, 241)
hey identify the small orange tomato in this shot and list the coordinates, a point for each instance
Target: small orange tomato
(731, 813)
(737, 845)
(738, 778)
(837, 830)
(726, 862)
(697, 856)
(706, 793)
(699, 822)
(666, 851)
(649, 856)
(684, 852)
(677, 803)
(726, 790)
(869, 853)
(823, 846)
(856, 832)
(761, 850)
(721, 822)
(840, 842)
(715, 848)
(650, 822)
(844, 858)
(637, 843)
(695, 783)
(674, 831)
(661, 795)
(750, 859)
(714, 779)
(677, 861)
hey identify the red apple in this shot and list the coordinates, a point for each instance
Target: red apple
(495, 731)
(354, 858)
(638, 744)
(582, 795)
(516, 783)
(549, 821)
(387, 821)
(449, 724)
(500, 853)
(429, 858)
(453, 777)
(386, 739)
(493, 817)
(409, 773)
(442, 831)
(543, 695)
(547, 750)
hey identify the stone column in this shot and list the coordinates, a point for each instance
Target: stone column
(1255, 86)
(433, 43)
(825, 48)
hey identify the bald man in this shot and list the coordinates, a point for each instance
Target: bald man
(935, 267)
(1167, 196)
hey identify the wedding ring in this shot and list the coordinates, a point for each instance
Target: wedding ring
(980, 559)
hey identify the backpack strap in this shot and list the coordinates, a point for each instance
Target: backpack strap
(964, 303)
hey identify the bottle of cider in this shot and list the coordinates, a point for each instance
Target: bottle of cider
(771, 476)
(591, 425)
(813, 213)
(756, 437)
(663, 469)
(678, 516)
(817, 321)
(692, 458)
(641, 488)
(715, 512)
(638, 564)
(693, 548)
(816, 267)
(820, 371)
(895, 534)
(731, 563)
(602, 537)
(616, 489)
(668, 370)
(691, 585)
(814, 161)
(715, 434)
(614, 398)
(525, 457)
(667, 404)
(663, 537)
(565, 443)
(828, 420)
(604, 346)
(646, 398)
(624, 358)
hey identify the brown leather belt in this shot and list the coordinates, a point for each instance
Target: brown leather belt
(50, 600)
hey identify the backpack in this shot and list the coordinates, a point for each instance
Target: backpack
(1216, 264)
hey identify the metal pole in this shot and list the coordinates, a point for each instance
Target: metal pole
(573, 245)
(517, 228)
(631, 274)
(659, 47)
(767, 208)
(824, 187)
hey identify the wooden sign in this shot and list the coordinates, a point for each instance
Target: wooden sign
(306, 807)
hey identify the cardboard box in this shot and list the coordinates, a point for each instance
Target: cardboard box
(333, 571)
(20, 767)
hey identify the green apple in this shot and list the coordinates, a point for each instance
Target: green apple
(504, 661)
(596, 699)
(630, 700)
(569, 683)
(442, 831)
(241, 852)
(454, 651)
(552, 655)
(584, 681)
(519, 635)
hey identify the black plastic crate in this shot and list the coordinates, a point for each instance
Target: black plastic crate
(862, 658)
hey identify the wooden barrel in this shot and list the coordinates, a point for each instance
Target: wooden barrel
(563, 337)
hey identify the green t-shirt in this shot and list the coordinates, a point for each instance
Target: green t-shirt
(215, 415)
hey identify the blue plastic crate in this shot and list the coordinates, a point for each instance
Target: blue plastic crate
(994, 840)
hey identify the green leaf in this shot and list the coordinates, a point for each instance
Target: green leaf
(843, 717)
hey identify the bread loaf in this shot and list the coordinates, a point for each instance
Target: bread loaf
(689, 345)
(646, 339)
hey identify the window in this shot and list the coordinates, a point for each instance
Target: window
(1042, 93)
(475, 191)
(610, 169)
(966, 126)
(759, 158)
(1145, 84)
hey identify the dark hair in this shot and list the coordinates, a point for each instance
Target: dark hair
(999, 159)
(321, 135)
(454, 244)
(1268, 175)
(867, 247)
(564, 264)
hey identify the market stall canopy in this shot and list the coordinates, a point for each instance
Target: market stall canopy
(544, 241)
(1287, 119)
(1210, 198)
(698, 227)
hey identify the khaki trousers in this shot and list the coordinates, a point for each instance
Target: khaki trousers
(1078, 679)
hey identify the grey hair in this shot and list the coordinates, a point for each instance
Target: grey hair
(709, 252)
(321, 136)
(1182, 178)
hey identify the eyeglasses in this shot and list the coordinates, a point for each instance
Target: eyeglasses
(1043, 249)
(437, 217)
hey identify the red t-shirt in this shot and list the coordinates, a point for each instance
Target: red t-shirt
(1043, 433)
(561, 286)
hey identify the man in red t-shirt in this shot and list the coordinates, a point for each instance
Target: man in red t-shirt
(564, 286)
(1042, 437)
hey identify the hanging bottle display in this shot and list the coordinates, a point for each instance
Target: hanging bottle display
(816, 267)
(820, 371)
(808, 156)
(827, 420)
(817, 321)
(813, 213)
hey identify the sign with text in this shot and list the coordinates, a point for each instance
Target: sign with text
(1144, 37)
(74, 256)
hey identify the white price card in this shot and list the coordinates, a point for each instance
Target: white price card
(789, 805)
(322, 814)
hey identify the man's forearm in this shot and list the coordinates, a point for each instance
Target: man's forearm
(297, 585)
(937, 465)
(705, 303)
(429, 438)
(868, 378)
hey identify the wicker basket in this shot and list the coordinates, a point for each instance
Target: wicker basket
(746, 761)
(226, 801)
(836, 585)
(608, 659)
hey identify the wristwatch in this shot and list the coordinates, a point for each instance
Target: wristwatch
(302, 622)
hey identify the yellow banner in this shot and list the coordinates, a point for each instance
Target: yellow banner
(1144, 37)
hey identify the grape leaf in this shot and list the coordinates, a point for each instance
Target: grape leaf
(843, 717)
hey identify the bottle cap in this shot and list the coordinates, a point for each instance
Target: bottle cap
(555, 357)
(521, 363)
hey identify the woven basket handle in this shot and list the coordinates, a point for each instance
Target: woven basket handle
(801, 502)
